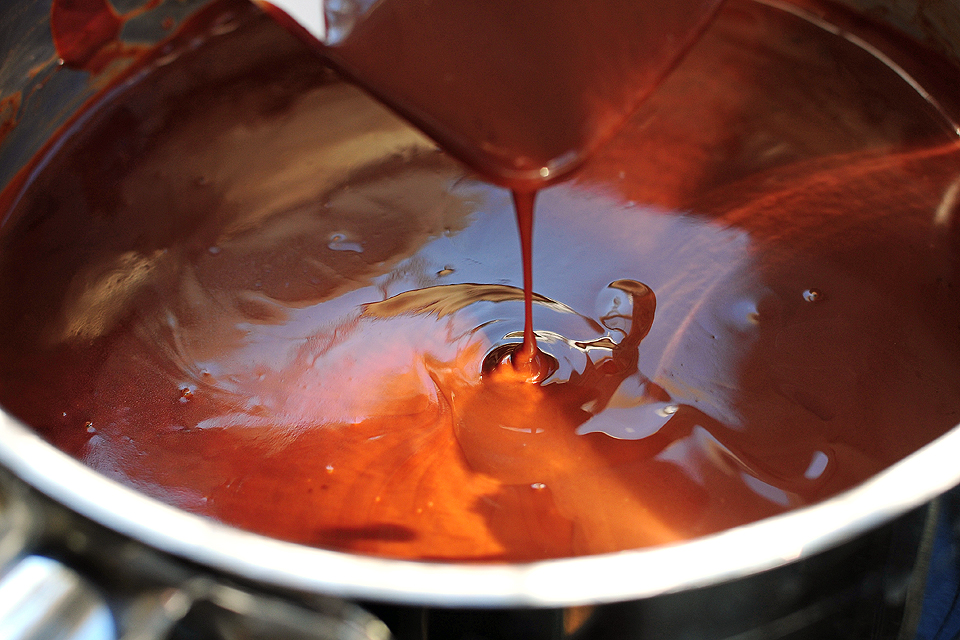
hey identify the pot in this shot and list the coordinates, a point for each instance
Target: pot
(851, 565)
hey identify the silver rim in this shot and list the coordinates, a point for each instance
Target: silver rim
(593, 579)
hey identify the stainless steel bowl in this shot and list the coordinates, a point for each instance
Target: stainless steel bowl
(853, 531)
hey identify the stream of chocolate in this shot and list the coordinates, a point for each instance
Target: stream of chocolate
(240, 285)
(527, 358)
(522, 93)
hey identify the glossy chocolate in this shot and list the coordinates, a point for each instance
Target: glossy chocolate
(244, 287)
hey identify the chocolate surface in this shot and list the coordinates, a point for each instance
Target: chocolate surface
(244, 287)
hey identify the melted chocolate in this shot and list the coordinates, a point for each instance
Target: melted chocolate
(521, 92)
(86, 33)
(9, 113)
(245, 288)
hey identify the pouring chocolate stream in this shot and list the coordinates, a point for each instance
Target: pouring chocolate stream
(522, 93)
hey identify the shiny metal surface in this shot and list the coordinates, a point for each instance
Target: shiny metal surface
(308, 13)
(40, 599)
(628, 575)
(93, 584)
(713, 560)
(934, 23)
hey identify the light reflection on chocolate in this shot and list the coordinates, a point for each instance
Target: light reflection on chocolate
(245, 288)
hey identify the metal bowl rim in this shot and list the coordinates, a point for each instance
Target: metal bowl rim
(627, 575)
